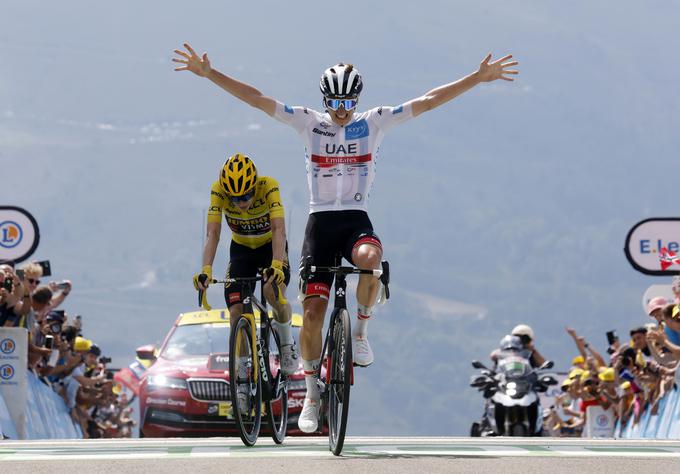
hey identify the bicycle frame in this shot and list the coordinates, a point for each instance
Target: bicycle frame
(270, 386)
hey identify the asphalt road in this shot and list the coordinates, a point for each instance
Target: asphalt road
(374, 455)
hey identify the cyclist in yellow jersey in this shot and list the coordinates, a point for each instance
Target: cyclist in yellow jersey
(252, 207)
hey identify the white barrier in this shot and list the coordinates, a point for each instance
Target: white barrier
(47, 415)
(13, 385)
(7, 428)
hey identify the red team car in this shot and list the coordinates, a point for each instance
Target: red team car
(185, 392)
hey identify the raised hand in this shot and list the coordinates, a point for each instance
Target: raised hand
(199, 65)
(490, 71)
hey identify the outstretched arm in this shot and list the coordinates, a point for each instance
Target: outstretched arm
(200, 65)
(487, 72)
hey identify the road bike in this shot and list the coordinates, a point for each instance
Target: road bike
(335, 383)
(257, 383)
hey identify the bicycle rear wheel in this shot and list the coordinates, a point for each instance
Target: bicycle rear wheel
(277, 405)
(340, 380)
(244, 384)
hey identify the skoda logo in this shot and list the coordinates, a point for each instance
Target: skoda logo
(10, 234)
(357, 197)
(7, 346)
(6, 372)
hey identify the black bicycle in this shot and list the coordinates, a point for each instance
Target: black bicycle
(255, 375)
(337, 351)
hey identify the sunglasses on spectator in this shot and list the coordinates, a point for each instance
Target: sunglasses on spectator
(334, 104)
(33, 281)
(244, 198)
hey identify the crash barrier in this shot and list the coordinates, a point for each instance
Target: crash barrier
(665, 424)
(7, 428)
(47, 416)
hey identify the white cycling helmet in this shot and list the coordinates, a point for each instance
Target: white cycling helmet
(341, 81)
(523, 330)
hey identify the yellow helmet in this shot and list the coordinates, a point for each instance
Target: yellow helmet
(238, 176)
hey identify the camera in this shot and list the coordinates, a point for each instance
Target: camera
(49, 342)
(62, 285)
(55, 328)
(611, 337)
(105, 360)
(46, 268)
(8, 284)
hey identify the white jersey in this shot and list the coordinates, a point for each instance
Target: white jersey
(341, 160)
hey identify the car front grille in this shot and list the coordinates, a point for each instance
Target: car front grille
(209, 390)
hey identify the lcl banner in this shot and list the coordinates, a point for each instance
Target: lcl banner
(653, 246)
(19, 234)
(13, 367)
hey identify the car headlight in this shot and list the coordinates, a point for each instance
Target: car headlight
(161, 381)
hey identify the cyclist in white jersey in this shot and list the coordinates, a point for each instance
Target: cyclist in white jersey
(341, 150)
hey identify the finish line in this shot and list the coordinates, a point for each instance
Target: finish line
(355, 447)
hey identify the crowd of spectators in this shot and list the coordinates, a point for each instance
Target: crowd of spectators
(631, 377)
(59, 355)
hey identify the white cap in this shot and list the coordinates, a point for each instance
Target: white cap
(523, 330)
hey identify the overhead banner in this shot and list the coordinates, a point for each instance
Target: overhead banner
(13, 368)
(19, 234)
(653, 246)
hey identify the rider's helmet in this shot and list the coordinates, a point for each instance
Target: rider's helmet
(239, 175)
(525, 333)
(341, 81)
(510, 343)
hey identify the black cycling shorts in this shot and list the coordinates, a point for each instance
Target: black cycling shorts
(245, 262)
(330, 234)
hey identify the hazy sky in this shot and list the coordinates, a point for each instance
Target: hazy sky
(509, 205)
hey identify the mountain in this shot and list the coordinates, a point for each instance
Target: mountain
(509, 205)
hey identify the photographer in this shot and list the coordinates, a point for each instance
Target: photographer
(46, 337)
(14, 297)
(526, 336)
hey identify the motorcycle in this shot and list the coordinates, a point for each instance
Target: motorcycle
(511, 391)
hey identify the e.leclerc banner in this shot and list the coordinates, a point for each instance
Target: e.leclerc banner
(19, 234)
(653, 246)
(13, 367)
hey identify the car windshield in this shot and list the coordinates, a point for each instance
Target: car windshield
(197, 340)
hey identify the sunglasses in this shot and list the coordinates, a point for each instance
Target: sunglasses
(334, 104)
(33, 281)
(245, 198)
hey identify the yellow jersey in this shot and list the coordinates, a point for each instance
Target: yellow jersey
(252, 227)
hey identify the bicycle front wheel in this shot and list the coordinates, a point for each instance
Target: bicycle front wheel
(277, 405)
(244, 384)
(340, 380)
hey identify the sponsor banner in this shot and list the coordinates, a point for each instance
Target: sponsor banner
(13, 368)
(653, 246)
(599, 422)
(657, 290)
(19, 234)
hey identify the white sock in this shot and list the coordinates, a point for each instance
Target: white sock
(284, 332)
(364, 313)
(311, 367)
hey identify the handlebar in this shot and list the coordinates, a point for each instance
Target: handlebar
(261, 278)
(382, 273)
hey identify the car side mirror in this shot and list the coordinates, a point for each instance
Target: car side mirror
(548, 364)
(478, 365)
(147, 352)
